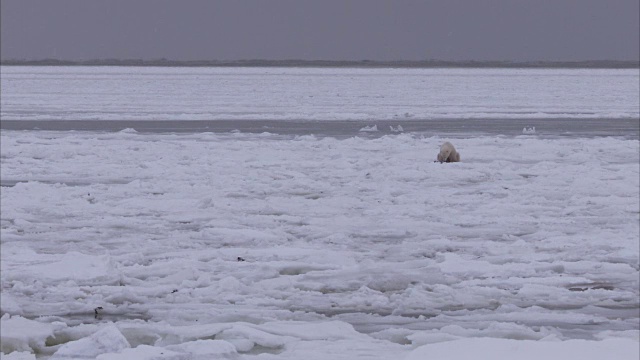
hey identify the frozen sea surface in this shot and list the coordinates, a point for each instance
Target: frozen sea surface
(122, 245)
(304, 94)
(298, 213)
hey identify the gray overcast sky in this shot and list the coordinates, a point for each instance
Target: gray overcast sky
(516, 30)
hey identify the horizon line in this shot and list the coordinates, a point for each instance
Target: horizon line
(429, 63)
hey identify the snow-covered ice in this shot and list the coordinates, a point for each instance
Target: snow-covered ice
(397, 129)
(150, 93)
(370, 128)
(491, 349)
(354, 248)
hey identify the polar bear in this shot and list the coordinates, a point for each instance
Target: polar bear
(448, 153)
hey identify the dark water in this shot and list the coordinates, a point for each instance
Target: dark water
(625, 128)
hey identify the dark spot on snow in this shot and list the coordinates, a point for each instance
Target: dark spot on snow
(240, 258)
(528, 176)
(174, 291)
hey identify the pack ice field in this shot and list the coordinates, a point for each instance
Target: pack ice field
(288, 213)
(290, 246)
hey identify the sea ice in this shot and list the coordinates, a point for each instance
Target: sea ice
(358, 247)
(309, 94)
(491, 349)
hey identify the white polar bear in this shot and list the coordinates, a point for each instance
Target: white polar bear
(448, 153)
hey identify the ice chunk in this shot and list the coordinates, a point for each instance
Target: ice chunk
(82, 268)
(244, 338)
(206, 349)
(106, 340)
(9, 305)
(20, 334)
(372, 128)
(128, 131)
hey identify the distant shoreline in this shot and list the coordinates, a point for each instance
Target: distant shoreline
(596, 64)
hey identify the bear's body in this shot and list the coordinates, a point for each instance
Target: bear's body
(448, 153)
